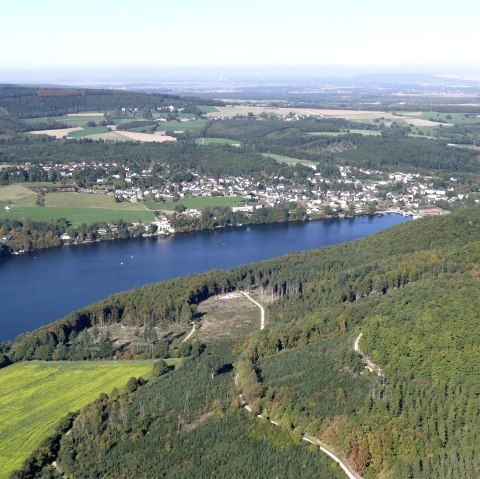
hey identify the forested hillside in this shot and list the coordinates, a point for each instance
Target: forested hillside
(411, 290)
(21, 102)
(391, 150)
(181, 159)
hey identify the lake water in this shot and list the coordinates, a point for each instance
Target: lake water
(40, 287)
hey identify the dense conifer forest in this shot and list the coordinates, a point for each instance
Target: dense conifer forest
(411, 290)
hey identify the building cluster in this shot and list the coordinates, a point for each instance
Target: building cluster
(352, 190)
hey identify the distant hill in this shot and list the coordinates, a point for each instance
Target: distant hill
(22, 102)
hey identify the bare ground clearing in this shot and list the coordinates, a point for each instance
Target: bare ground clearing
(158, 137)
(422, 122)
(60, 133)
(227, 315)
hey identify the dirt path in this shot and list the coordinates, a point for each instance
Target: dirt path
(345, 467)
(313, 440)
(262, 311)
(189, 335)
(369, 364)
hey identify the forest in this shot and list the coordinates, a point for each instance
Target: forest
(28, 235)
(28, 102)
(393, 150)
(412, 290)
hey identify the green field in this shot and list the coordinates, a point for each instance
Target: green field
(109, 136)
(85, 200)
(70, 120)
(452, 118)
(181, 125)
(351, 131)
(82, 121)
(88, 130)
(195, 203)
(289, 160)
(77, 208)
(208, 109)
(18, 195)
(34, 396)
(77, 216)
(217, 141)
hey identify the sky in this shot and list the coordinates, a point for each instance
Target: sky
(102, 34)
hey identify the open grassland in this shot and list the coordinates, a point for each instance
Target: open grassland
(208, 109)
(289, 160)
(85, 200)
(448, 118)
(86, 114)
(217, 141)
(345, 132)
(195, 203)
(109, 136)
(73, 119)
(80, 129)
(422, 122)
(18, 195)
(77, 208)
(77, 216)
(87, 130)
(366, 132)
(34, 396)
(158, 137)
(181, 125)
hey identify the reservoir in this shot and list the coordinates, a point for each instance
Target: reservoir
(43, 286)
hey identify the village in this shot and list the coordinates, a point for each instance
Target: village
(350, 192)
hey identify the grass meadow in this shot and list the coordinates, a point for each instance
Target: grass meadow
(68, 119)
(181, 125)
(18, 195)
(77, 208)
(217, 141)
(34, 396)
(208, 109)
(289, 160)
(344, 132)
(85, 200)
(77, 216)
(87, 131)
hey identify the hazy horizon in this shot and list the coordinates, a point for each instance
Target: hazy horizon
(58, 41)
(277, 73)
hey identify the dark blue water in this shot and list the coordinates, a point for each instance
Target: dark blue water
(40, 287)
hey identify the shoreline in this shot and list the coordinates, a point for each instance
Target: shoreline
(225, 227)
(93, 273)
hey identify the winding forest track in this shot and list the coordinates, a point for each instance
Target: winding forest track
(369, 364)
(351, 474)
